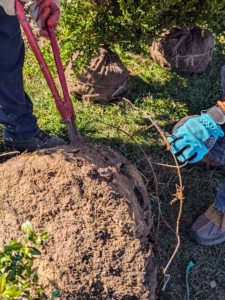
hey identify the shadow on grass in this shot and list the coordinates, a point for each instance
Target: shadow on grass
(173, 95)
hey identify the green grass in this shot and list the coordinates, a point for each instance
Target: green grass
(166, 97)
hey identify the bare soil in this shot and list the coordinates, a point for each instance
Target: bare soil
(94, 203)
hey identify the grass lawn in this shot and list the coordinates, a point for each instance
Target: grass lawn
(166, 97)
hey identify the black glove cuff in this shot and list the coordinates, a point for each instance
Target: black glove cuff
(217, 114)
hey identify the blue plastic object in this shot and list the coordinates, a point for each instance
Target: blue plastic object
(190, 265)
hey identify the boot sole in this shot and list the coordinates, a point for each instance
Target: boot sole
(204, 242)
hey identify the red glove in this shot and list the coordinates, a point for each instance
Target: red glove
(45, 12)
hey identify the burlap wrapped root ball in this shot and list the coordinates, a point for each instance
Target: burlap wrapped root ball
(105, 79)
(184, 50)
(94, 203)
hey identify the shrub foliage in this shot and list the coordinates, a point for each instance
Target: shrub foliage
(133, 24)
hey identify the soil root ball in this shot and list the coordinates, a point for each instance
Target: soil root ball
(104, 80)
(188, 51)
(94, 203)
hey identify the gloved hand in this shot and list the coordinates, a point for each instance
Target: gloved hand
(9, 6)
(193, 137)
(45, 12)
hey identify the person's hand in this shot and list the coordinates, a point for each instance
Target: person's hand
(193, 137)
(9, 6)
(45, 13)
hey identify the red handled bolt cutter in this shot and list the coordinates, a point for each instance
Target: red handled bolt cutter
(64, 106)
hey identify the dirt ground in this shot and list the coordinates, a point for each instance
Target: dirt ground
(95, 205)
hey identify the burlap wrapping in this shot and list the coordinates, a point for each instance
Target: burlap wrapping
(184, 50)
(105, 79)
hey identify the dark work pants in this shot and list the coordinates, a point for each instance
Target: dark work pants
(217, 154)
(15, 106)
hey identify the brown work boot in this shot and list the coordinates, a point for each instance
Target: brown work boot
(209, 228)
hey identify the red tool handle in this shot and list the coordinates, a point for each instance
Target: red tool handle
(59, 65)
(65, 107)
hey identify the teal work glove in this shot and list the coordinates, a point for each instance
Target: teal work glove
(193, 137)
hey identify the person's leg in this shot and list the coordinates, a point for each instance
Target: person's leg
(217, 153)
(16, 111)
(209, 228)
(15, 106)
(220, 199)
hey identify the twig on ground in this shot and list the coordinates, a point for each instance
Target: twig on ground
(9, 153)
(164, 165)
(153, 122)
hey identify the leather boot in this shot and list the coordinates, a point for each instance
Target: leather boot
(209, 228)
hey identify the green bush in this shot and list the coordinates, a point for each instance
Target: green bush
(132, 24)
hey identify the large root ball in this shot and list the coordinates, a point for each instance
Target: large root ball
(105, 79)
(184, 50)
(95, 206)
